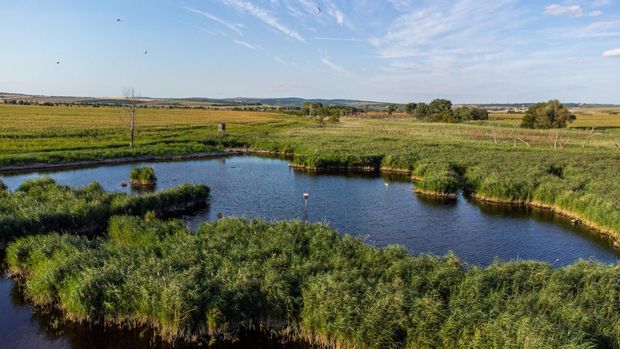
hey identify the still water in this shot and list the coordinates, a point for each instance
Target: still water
(382, 210)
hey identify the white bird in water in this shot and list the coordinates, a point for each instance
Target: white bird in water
(386, 185)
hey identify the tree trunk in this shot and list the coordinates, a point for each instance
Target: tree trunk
(131, 132)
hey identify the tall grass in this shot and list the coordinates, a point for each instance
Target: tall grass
(305, 281)
(494, 162)
(42, 205)
(143, 176)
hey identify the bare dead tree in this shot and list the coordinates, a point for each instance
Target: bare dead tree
(130, 112)
(589, 136)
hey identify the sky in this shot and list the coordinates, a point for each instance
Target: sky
(468, 51)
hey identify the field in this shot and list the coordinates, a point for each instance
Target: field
(603, 118)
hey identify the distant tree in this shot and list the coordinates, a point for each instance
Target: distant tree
(391, 109)
(470, 113)
(366, 108)
(422, 111)
(129, 112)
(551, 114)
(410, 108)
(440, 106)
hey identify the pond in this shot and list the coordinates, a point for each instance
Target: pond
(381, 210)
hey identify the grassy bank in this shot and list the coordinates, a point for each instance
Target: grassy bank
(572, 170)
(41, 206)
(305, 281)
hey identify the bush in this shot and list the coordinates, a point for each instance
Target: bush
(470, 113)
(143, 176)
(547, 115)
(439, 179)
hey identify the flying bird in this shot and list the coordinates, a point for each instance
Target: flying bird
(57, 62)
(145, 52)
(319, 10)
(118, 19)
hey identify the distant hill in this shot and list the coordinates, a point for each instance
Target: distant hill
(290, 102)
(286, 102)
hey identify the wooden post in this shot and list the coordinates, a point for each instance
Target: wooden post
(221, 127)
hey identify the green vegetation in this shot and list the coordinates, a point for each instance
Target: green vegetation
(143, 176)
(391, 109)
(547, 115)
(324, 113)
(440, 110)
(493, 160)
(437, 179)
(470, 113)
(304, 281)
(42, 205)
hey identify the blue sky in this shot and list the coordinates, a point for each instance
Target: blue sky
(472, 51)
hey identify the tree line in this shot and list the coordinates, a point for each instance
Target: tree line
(441, 110)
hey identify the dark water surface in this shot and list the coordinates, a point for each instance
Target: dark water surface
(256, 187)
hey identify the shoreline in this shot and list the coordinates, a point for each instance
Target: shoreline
(113, 161)
(612, 235)
(575, 218)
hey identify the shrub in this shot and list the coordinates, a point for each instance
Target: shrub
(143, 176)
(547, 115)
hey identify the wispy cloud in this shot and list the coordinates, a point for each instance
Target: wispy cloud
(571, 10)
(335, 12)
(612, 53)
(336, 67)
(246, 44)
(464, 27)
(338, 39)
(284, 61)
(265, 17)
(560, 10)
(232, 26)
(599, 29)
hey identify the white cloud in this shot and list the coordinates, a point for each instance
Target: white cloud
(265, 17)
(560, 10)
(246, 44)
(338, 39)
(334, 12)
(595, 13)
(600, 29)
(612, 53)
(335, 67)
(234, 27)
(466, 26)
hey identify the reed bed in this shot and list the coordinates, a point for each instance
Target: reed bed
(304, 281)
(41, 206)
